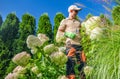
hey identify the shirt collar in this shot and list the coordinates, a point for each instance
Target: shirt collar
(70, 19)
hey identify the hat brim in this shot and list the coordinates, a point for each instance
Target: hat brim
(78, 9)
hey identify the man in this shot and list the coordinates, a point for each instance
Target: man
(71, 27)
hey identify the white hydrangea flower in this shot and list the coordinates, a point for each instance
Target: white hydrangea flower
(43, 37)
(35, 70)
(21, 59)
(20, 70)
(60, 37)
(50, 49)
(39, 75)
(33, 41)
(58, 58)
(88, 70)
(12, 76)
(95, 33)
(93, 27)
(34, 50)
(91, 23)
(62, 49)
(62, 77)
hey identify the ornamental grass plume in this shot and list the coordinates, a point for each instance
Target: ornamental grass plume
(58, 58)
(22, 58)
(50, 49)
(43, 37)
(20, 70)
(12, 76)
(33, 41)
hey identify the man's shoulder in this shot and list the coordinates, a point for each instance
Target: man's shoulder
(78, 20)
(74, 19)
(67, 19)
(64, 20)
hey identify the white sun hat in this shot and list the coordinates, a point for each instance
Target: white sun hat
(73, 7)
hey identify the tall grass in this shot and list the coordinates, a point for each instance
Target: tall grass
(104, 55)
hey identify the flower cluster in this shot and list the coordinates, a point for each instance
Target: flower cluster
(48, 49)
(21, 59)
(58, 58)
(95, 33)
(62, 49)
(36, 41)
(33, 41)
(62, 77)
(35, 70)
(20, 70)
(50, 53)
(60, 38)
(12, 76)
(43, 37)
(93, 27)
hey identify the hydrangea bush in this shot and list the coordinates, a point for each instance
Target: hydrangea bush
(46, 61)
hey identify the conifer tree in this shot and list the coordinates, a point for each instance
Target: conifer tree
(27, 27)
(1, 21)
(4, 59)
(57, 19)
(45, 26)
(8, 33)
(9, 30)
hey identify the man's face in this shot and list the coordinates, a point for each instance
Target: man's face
(74, 13)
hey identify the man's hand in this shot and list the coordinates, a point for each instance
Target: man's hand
(70, 35)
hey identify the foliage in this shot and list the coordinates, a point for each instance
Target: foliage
(4, 59)
(103, 55)
(57, 19)
(48, 69)
(88, 16)
(105, 21)
(27, 27)
(10, 67)
(116, 15)
(1, 21)
(44, 25)
(9, 29)
(117, 1)
(8, 33)
(42, 65)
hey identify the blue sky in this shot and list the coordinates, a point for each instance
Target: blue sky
(38, 7)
